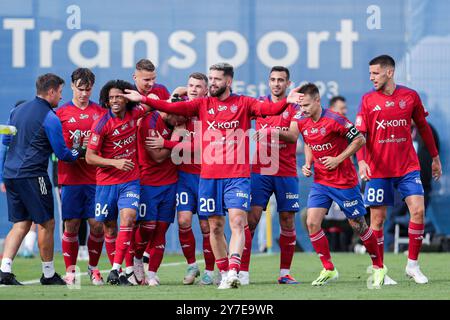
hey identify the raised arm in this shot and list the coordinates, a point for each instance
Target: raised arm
(183, 108)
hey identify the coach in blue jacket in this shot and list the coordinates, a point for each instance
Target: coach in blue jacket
(28, 188)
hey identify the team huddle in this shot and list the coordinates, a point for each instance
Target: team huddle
(142, 157)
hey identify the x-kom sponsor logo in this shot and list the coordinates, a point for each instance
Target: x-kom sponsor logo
(383, 124)
(321, 147)
(83, 134)
(124, 142)
(215, 125)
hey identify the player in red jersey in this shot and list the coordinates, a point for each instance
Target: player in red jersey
(158, 189)
(280, 178)
(187, 186)
(389, 161)
(225, 171)
(113, 149)
(77, 179)
(145, 80)
(327, 134)
(144, 77)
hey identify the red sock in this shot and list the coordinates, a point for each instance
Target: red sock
(320, 244)
(235, 262)
(246, 253)
(131, 249)
(222, 264)
(123, 243)
(370, 242)
(415, 234)
(95, 246)
(158, 246)
(380, 241)
(288, 240)
(142, 237)
(70, 249)
(187, 242)
(110, 245)
(208, 253)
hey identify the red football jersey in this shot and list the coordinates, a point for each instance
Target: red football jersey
(115, 138)
(286, 161)
(189, 135)
(72, 119)
(152, 172)
(327, 137)
(225, 130)
(386, 121)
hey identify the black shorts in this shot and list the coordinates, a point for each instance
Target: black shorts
(29, 199)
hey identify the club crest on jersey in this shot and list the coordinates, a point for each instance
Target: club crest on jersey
(285, 114)
(222, 108)
(234, 108)
(94, 139)
(84, 116)
(402, 104)
(323, 131)
(390, 104)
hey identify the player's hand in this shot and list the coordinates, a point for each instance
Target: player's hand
(330, 163)
(364, 170)
(132, 95)
(124, 164)
(436, 168)
(3, 187)
(154, 142)
(294, 96)
(153, 96)
(306, 170)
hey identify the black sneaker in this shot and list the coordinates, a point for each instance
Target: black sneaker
(123, 279)
(113, 277)
(9, 279)
(55, 280)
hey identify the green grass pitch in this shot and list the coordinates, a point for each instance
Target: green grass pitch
(264, 272)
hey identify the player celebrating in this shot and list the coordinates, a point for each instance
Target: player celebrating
(144, 77)
(335, 179)
(187, 187)
(283, 182)
(113, 149)
(78, 178)
(224, 178)
(385, 116)
(158, 187)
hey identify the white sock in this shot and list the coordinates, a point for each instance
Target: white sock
(48, 268)
(412, 263)
(91, 268)
(284, 272)
(129, 270)
(146, 254)
(151, 274)
(30, 240)
(116, 266)
(6, 265)
(193, 264)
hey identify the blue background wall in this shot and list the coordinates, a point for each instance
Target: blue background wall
(416, 33)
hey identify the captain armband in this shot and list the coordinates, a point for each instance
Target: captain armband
(352, 133)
